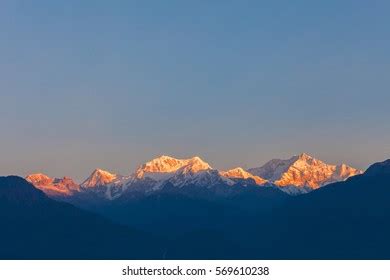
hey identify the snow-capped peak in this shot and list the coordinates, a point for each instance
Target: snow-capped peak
(39, 179)
(161, 167)
(178, 172)
(194, 165)
(240, 173)
(162, 164)
(53, 186)
(303, 171)
(304, 156)
(99, 177)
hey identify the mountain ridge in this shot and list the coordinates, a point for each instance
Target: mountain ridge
(299, 174)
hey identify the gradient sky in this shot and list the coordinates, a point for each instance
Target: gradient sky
(112, 84)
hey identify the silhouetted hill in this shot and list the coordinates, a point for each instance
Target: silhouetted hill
(35, 227)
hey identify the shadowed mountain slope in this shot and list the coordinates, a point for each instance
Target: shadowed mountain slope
(35, 227)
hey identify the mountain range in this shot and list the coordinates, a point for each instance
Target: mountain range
(297, 175)
(184, 209)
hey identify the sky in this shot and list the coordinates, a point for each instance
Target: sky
(112, 84)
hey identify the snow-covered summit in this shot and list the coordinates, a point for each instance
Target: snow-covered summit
(53, 186)
(164, 167)
(99, 177)
(303, 171)
(240, 173)
(178, 172)
(39, 179)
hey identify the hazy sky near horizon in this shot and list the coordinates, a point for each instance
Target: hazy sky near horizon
(112, 84)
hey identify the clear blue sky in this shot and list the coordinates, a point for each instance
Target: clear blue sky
(111, 84)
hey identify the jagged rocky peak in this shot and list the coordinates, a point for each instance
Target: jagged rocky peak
(240, 173)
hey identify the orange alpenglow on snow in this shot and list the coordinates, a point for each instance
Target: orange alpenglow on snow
(166, 165)
(299, 174)
(99, 177)
(53, 186)
(304, 171)
(239, 173)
